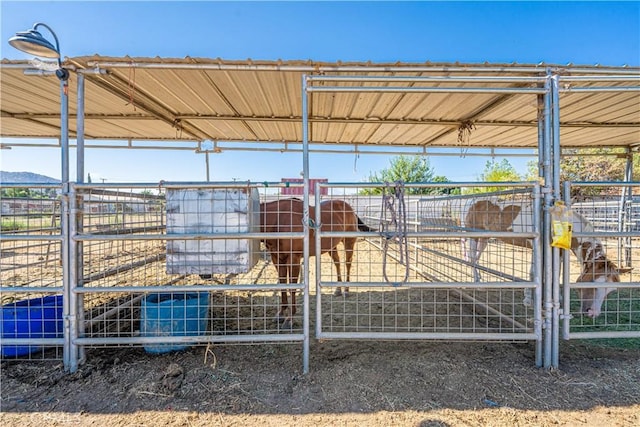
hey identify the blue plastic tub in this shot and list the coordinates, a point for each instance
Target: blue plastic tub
(33, 318)
(173, 314)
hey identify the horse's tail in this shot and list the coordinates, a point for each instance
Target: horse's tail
(362, 226)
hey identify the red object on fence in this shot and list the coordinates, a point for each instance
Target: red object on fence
(298, 190)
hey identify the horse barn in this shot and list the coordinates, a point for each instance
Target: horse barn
(166, 265)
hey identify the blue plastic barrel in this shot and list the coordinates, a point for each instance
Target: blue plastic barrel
(173, 314)
(33, 318)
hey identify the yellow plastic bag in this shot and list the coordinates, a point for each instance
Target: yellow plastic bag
(561, 226)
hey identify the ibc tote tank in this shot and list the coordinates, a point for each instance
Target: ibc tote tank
(212, 211)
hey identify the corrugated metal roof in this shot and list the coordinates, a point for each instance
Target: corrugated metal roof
(251, 102)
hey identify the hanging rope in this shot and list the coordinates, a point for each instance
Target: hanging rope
(308, 222)
(177, 124)
(464, 136)
(355, 160)
(396, 227)
(311, 223)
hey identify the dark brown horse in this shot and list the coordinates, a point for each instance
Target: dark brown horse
(285, 216)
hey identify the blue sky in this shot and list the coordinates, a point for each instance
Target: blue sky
(582, 33)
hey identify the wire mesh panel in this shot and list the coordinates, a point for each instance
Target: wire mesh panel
(147, 279)
(415, 273)
(31, 271)
(383, 265)
(602, 292)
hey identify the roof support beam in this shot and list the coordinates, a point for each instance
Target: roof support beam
(493, 104)
(192, 117)
(145, 103)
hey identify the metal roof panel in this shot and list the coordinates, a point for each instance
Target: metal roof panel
(197, 99)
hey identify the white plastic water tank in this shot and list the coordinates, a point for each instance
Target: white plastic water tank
(192, 211)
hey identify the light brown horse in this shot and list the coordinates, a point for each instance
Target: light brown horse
(488, 216)
(286, 216)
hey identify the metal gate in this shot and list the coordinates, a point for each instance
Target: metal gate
(31, 271)
(410, 278)
(137, 254)
(613, 208)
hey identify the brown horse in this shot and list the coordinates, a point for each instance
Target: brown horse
(596, 267)
(285, 216)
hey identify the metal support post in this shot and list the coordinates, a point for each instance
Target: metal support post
(305, 219)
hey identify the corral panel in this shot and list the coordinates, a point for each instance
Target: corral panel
(613, 209)
(31, 274)
(411, 277)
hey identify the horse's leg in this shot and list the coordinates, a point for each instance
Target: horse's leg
(528, 298)
(294, 272)
(282, 268)
(469, 247)
(284, 303)
(288, 321)
(349, 244)
(476, 247)
(336, 261)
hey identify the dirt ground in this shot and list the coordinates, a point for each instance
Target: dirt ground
(349, 383)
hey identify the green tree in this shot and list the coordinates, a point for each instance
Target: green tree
(532, 171)
(499, 172)
(502, 171)
(16, 193)
(25, 193)
(408, 169)
(443, 190)
(592, 164)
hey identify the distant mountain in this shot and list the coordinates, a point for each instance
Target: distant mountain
(27, 177)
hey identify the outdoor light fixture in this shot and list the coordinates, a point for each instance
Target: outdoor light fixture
(32, 42)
